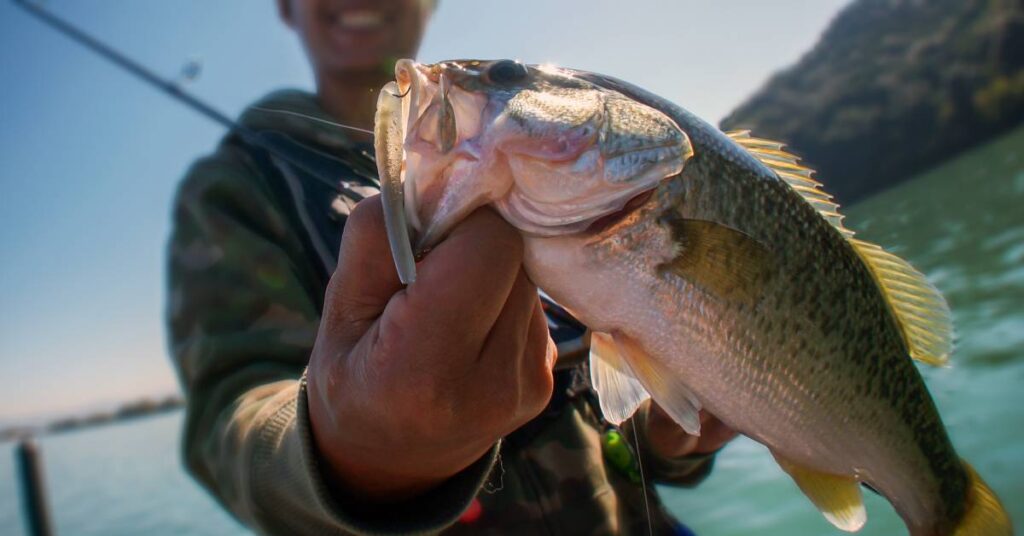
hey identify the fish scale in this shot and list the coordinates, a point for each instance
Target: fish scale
(715, 273)
(831, 273)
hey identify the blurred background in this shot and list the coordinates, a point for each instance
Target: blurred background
(911, 110)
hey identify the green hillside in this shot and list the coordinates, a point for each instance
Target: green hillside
(894, 87)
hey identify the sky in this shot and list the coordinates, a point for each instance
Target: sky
(90, 157)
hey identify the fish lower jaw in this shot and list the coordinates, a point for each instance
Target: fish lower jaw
(605, 222)
(531, 219)
(591, 214)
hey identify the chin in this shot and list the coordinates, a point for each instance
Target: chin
(349, 60)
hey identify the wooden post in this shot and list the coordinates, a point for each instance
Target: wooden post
(33, 488)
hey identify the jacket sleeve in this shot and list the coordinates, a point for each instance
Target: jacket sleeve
(243, 315)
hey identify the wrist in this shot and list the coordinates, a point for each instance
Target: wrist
(387, 467)
(390, 475)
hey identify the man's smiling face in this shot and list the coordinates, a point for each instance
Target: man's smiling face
(356, 35)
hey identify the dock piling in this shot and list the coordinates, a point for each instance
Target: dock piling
(33, 488)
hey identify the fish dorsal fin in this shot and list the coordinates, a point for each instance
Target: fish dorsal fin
(787, 166)
(618, 392)
(920, 310)
(837, 497)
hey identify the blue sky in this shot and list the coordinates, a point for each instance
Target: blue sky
(89, 157)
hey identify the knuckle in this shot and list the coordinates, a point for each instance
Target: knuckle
(367, 214)
(496, 234)
(507, 240)
(539, 381)
(503, 403)
(394, 326)
(541, 390)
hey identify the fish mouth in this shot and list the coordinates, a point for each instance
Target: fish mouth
(550, 160)
(412, 79)
(400, 110)
(441, 125)
(603, 223)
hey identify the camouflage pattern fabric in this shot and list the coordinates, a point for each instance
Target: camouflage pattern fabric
(249, 259)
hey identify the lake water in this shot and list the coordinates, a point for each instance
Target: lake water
(962, 224)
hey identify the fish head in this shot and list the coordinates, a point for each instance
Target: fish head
(551, 152)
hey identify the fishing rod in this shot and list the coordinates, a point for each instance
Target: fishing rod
(281, 146)
(317, 164)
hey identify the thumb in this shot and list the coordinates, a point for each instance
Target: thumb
(365, 278)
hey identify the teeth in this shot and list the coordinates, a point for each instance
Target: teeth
(360, 20)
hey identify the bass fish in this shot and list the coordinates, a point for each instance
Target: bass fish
(713, 271)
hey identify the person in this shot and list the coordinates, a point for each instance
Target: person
(323, 397)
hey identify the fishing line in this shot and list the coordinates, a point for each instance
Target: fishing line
(643, 480)
(311, 118)
(285, 149)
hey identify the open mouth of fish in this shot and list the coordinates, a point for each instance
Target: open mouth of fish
(552, 153)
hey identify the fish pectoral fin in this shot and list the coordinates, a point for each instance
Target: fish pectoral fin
(664, 387)
(921, 312)
(838, 497)
(618, 391)
(722, 260)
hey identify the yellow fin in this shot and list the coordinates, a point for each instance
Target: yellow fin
(720, 259)
(618, 391)
(787, 166)
(920, 310)
(837, 497)
(984, 515)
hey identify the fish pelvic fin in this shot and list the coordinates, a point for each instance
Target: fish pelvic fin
(838, 497)
(787, 166)
(983, 513)
(665, 388)
(921, 312)
(721, 260)
(624, 376)
(618, 391)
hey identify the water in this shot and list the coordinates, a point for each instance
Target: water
(121, 479)
(962, 224)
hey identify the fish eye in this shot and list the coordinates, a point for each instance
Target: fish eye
(506, 72)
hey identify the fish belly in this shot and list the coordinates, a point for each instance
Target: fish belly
(777, 379)
(702, 342)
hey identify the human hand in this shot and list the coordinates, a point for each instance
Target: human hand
(408, 386)
(668, 440)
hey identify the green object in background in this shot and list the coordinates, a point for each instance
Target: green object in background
(619, 455)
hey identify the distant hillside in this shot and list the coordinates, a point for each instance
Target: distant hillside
(894, 87)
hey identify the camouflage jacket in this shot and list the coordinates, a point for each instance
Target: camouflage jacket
(254, 243)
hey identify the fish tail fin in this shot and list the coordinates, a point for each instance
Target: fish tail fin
(983, 513)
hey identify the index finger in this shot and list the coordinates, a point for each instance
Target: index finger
(462, 284)
(365, 278)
